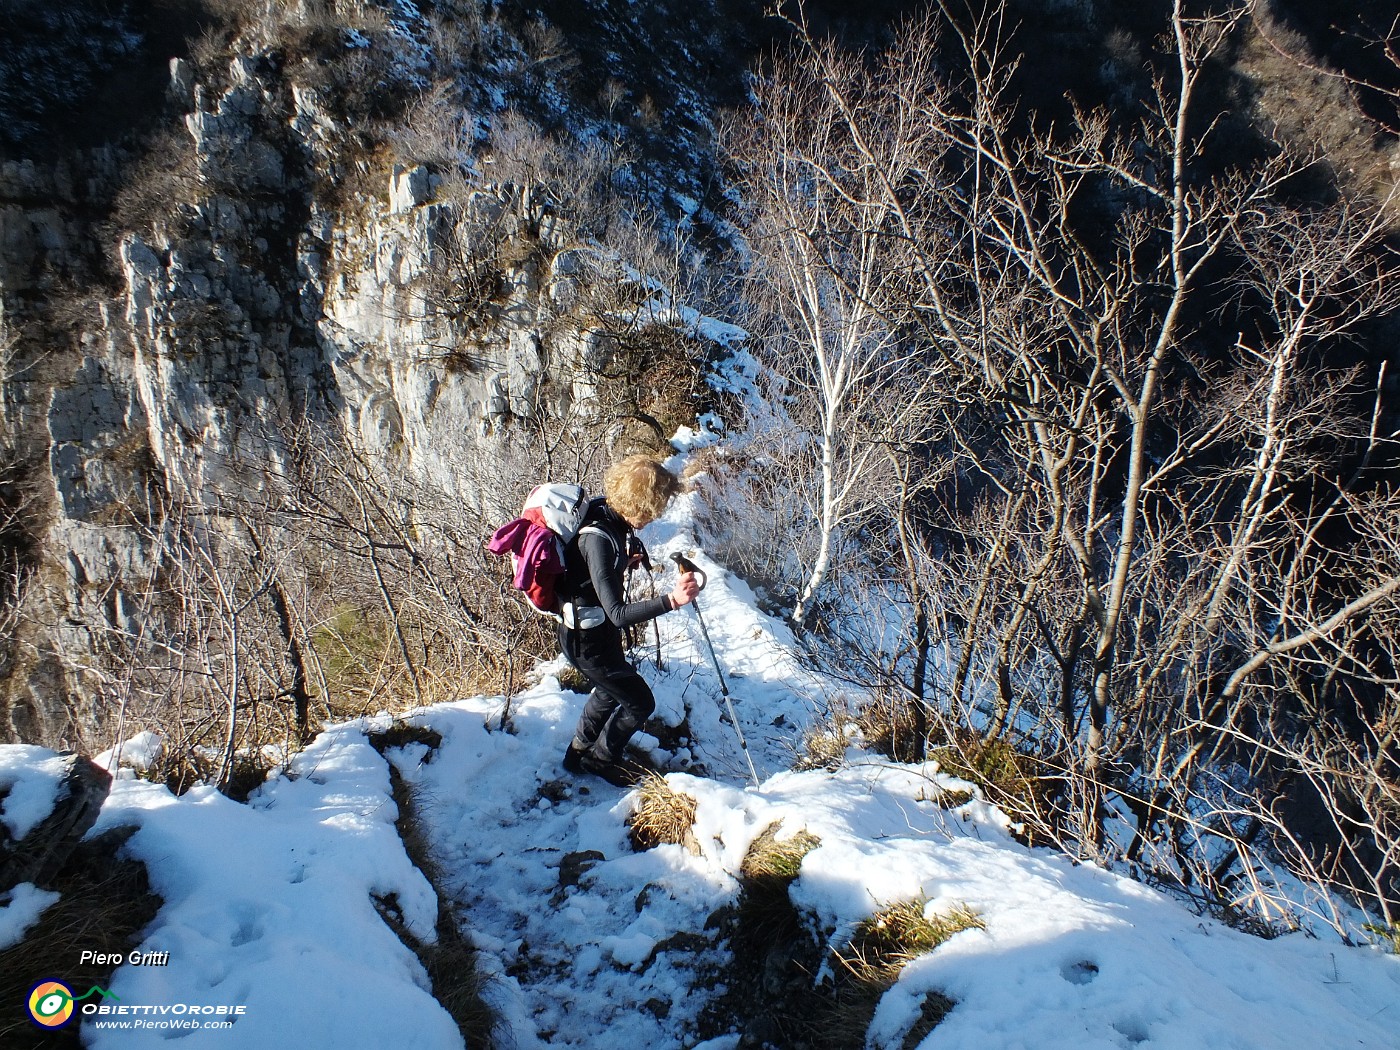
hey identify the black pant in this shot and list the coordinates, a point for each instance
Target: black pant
(621, 700)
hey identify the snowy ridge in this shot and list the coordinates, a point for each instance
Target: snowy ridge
(270, 905)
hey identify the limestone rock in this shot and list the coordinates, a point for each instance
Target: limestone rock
(409, 188)
(181, 87)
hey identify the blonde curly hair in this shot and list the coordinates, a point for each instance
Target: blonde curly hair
(638, 488)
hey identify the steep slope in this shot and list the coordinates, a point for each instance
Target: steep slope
(271, 907)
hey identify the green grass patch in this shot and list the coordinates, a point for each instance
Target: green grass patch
(358, 657)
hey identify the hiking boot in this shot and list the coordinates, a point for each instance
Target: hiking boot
(623, 773)
(573, 758)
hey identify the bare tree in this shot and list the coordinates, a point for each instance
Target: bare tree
(1149, 542)
(853, 377)
(341, 587)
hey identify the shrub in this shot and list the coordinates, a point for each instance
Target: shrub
(1010, 778)
(655, 378)
(160, 186)
(752, 522)
(1311, 105)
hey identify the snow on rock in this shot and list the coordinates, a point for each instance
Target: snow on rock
(30, 778)
(269, 906)
(140, 752)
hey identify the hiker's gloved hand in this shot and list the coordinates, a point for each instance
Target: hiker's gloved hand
(687, 587)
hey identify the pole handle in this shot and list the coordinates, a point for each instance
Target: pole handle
(686, 565)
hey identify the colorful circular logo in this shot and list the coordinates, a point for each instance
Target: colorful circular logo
(51, 1004)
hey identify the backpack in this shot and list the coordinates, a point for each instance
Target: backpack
(535, 541)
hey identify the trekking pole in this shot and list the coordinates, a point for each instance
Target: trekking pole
(629, 634)
(655, 623)
(686, 565)
(635, 549)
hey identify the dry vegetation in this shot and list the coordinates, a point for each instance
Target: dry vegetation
(1315, 107)
(347, 590)
(776, 994)
(871, 962)
(769, 981)
(1083, 399)
(1108, 443)
(662, 815)
(105, 900)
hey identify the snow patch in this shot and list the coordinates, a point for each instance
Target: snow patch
(30, 778)
(20, 908)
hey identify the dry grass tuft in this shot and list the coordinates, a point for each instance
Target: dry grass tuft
(1008, 777)
(897, 933)
(872, 961)
(947, 798)
(884, 723)
(823, 747)
(662, 815)
(888, 725)
(766, 913)
(770, 858)
(572, 679)
(769, 995)
(105, 902)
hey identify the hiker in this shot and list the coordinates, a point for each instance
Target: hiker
(636, 491)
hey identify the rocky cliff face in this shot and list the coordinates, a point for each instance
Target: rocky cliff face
(260, 300)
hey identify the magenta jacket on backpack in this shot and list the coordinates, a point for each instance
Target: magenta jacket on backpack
(536, 556)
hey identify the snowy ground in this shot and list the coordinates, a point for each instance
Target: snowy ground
(269, 906)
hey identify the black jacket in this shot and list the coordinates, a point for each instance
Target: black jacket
(594, 564)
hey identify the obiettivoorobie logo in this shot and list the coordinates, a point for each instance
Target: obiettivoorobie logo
(51, 1002)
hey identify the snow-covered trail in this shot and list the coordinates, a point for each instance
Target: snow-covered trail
(598, 946)
(591, 936)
